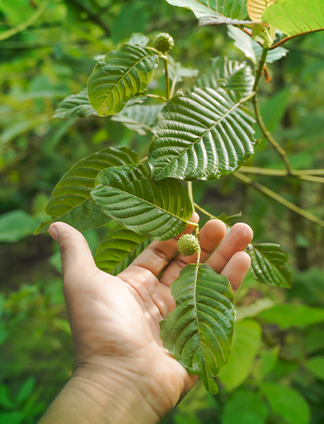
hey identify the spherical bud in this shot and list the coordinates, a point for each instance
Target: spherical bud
(163, 42)
(188, 245)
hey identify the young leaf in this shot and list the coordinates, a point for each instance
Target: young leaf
(235, 9)
(72, 202)
(158, 210)
(124, 73)
(198, 333)
(229, 74)
(76, 105)
(202, 136)
(139, 118)
(295, 17)
(256, 8)
(269, 264)
(118, 250)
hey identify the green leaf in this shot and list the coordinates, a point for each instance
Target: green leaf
(291, 315)
(198, 333)
(245, 408)
(207, 20)
(12, 417)
(72, 202)
(76, 105)
(253, 309)
(124, 73)
(202, 136)
(138, 39)
(177, 71)
(295, 17)
(229, 74)
(287, 403)
(118, 250)
(139, 118)
(246, 343)
(269, 264)
(157, 210)
(235, 9)
(316, 366)
(251, 48)
(15, 225)
(26, 390)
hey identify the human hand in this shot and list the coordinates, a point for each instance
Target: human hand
(121, 367)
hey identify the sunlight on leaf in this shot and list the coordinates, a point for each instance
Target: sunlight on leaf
(235, 9)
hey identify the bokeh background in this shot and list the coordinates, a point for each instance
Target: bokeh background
(276, 371)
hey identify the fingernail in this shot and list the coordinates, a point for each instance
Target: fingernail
(53, 232)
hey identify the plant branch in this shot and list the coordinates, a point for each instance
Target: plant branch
(283, 41)
(28, 22)
(155, 96)
(305, 174)
(278, 198)
(189, 188)
(167, 82)
(204, 211)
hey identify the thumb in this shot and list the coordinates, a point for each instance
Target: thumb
(77, 261)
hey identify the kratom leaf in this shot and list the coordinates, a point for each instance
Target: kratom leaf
(118, 250)
(251, 48)
(207, 20)
(235, 9)
(157, 210)
(138, 39)
(229, 74)
(295, 17)
(76, 105)
(256, 8)
(198, 333)
(124, 73)
(269, 264)
(72, 202)
(138, 118)
(202, 136)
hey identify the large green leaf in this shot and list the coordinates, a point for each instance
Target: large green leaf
(124, 73)
(295, 17)
(15, 225)
(198, 333)
(118, 250)
(139, 118)
(290, 315)
(202, 136)
(287, 403)
(229, 74)
(157, 210)
(235, 9)
(269, 264)
(245, 408)
(246, 343)
(76, 105)
(316, 366)
(72, 202)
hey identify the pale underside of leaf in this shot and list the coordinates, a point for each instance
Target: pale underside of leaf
(256, 8)
(139, 118)
(72, 202)
(269, 264)
(157, 210)
(295, 17)
(235, 9)
(76, 105)
(198, 333)
(201, 136)
(124, 73)
(207, 20)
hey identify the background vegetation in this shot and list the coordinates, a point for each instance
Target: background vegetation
(276, 373)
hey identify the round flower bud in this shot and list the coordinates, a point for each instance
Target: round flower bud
(188, 245)
(163, 42)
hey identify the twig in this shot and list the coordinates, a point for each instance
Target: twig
(189, 188)
(305, 174)
(167, 82)
(155, 96)
(278, 198)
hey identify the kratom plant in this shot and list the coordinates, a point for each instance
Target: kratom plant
(204, 134)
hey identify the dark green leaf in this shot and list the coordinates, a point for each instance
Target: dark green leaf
(316, 366)
(118, 250)
(287, 403)
(235, 9)
(269, 264)
(157, 210)
(245, 408)
(290, 315)
(295, 17)
(124, 73)
(198, 333)
(202, 136)
(72, 202)
(76, 105)
(139, 118)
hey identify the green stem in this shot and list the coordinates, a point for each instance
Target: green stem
(278, 198)
(156, 96)
(166, 74)
(189, 188)
(305, 174)
(28, 22)
(174, 82)
(204, 211)
(144, 159)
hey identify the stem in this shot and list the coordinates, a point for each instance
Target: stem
(305, 174)
(28, 22)
(278, 198)
(174, 82)
(260, 69)
(155, 96)
(189, 188)
(167, 82)
(204, 211)
(144, 159)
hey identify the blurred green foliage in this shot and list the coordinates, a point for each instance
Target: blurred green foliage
(276, 372)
